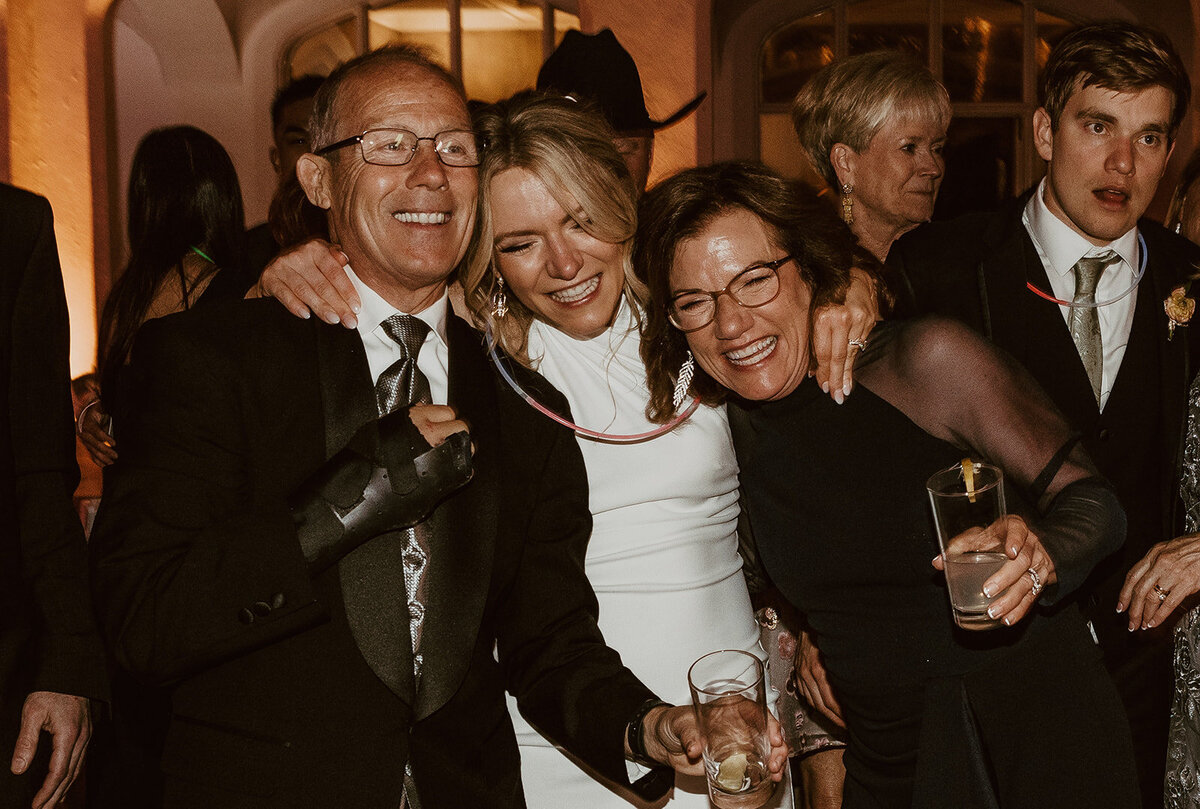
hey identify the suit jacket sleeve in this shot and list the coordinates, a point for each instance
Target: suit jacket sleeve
(69, 658)
(193, 561)
(570, 685)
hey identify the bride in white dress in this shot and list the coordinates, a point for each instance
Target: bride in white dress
(552, 280)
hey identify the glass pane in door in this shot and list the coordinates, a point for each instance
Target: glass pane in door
(981, 50)
(792, 54)
(894, 25)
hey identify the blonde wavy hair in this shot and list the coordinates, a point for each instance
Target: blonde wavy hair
(568, 145)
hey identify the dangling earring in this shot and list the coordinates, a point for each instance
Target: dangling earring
(847, 204)
(499, 299)
(686, 371)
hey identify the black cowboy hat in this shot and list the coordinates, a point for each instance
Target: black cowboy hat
(595, 66)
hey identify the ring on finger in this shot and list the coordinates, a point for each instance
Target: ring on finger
(859, 344)
(1161, 593)
(1037, 582)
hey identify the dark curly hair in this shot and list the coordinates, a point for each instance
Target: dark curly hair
(680, 207)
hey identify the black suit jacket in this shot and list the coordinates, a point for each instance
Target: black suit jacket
(48, 639)
(200, 580)
(976, 268)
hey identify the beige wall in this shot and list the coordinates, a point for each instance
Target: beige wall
(53, 107)
(662, 39)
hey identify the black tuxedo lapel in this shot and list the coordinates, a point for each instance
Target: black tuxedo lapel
(465, 531)
(347, 395)
(372, 576)
(464, 537)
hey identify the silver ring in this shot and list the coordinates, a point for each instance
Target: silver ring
(1037, 582)
(1161, 593)
(861, 345)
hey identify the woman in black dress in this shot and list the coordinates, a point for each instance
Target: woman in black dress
(1021, 716)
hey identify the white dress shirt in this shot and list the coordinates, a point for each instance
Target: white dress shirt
(382, 351)
(1060, 248)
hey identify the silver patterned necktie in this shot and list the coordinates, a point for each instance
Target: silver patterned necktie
(401, 385)
(1084, 319)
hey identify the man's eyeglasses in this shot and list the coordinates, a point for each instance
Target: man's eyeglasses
(395, 147)
(757, 285)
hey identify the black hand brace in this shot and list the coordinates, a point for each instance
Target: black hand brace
(387, 478)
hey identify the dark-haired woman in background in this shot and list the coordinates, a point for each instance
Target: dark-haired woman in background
(1020, 716)
(185, 222)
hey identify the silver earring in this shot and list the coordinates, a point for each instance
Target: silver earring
(686, 372)
(499, 299)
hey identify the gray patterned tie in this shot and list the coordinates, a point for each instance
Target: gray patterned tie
(1084, 320)
(400, 385)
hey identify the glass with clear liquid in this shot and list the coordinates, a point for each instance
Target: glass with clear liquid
(971, 537)
(729, 698)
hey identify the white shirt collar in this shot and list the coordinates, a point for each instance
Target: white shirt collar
(1061, 247)
(375, 310)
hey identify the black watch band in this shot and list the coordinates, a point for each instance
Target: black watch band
(637, 744)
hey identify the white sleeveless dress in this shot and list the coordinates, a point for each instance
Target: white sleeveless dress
(663, 557)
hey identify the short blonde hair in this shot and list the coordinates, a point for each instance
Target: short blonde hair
(568, 145)
(850, 101)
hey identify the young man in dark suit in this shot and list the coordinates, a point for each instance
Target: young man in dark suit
(254, 548)
(1071, 281)
(51, 661)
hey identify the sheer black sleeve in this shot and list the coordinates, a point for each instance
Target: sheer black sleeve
(958, 387)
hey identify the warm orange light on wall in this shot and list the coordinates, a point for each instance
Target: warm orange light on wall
(50, 136)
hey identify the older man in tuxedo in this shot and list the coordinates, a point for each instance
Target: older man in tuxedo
(269, 542)
(1071, 280)
(51, 662)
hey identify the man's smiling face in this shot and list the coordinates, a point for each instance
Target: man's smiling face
(1105, 158)
(405, 228)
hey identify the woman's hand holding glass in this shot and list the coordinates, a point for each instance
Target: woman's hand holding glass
(1018, 587)
(1156, 585)
(310, 278)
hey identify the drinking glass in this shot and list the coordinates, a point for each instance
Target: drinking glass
(729, 698)
(971, 537)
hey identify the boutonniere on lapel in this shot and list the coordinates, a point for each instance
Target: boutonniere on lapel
(1179, 308)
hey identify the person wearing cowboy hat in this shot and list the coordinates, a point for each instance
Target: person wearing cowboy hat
(596, 67)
